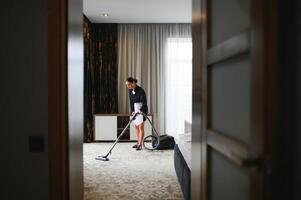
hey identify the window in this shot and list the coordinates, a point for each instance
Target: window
(178, 85)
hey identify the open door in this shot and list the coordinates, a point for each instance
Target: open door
(234, 104)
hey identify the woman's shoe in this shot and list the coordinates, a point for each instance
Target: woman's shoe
(135, 146)
(139, 147)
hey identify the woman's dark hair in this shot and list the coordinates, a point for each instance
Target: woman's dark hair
(131, 80)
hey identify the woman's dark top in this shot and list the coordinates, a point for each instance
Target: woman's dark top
(139, 96)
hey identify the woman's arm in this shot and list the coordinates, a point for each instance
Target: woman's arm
(131, 101)
(143, 99)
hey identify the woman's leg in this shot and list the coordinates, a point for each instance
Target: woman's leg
(140, 140)
(141, 133)
(137, 135)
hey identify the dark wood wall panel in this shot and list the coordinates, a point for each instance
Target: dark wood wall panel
(88, 81)
(100, 49)
(104, 37)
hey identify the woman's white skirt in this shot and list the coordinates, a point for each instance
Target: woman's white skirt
(139, 118)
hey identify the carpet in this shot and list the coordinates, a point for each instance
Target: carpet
(129, 174)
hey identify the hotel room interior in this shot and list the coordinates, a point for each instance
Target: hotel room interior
(221, 76)
(150, 41)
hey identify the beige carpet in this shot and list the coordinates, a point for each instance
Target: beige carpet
(129, 174)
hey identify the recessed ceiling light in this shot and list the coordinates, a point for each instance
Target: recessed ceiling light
(105, 14)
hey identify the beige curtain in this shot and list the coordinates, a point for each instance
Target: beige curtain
(141, 54)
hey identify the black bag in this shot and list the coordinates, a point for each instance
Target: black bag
(166, 142)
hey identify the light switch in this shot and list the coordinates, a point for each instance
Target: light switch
(36, 143)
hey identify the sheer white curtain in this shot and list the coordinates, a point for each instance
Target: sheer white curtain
(178, 85)
(142, 53)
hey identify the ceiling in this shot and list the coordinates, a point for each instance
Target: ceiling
(138, 11)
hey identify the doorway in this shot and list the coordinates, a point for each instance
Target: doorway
(116, 47)
(210, 147)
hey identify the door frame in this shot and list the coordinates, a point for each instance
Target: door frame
(57, 101)
(65, 104)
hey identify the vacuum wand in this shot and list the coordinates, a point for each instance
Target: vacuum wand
(105, 158)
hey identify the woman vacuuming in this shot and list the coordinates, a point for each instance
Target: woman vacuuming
(138, 104)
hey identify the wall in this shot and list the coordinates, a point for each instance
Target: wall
(288, 184)
(298, 106)
(23, 101)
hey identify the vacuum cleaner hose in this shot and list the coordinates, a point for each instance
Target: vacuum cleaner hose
(153, 139)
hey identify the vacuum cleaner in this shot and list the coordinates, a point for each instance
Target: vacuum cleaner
(153, 138)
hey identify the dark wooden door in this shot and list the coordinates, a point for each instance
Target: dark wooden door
(234, 92)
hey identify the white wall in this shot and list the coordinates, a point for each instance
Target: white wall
(23, 100)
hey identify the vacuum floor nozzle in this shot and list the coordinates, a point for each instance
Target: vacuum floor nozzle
(103, 158)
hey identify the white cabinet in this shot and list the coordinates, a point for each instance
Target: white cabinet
(107, 127)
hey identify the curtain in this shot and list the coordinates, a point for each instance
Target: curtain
(100, 63)
(178, 84)
(142, 54)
